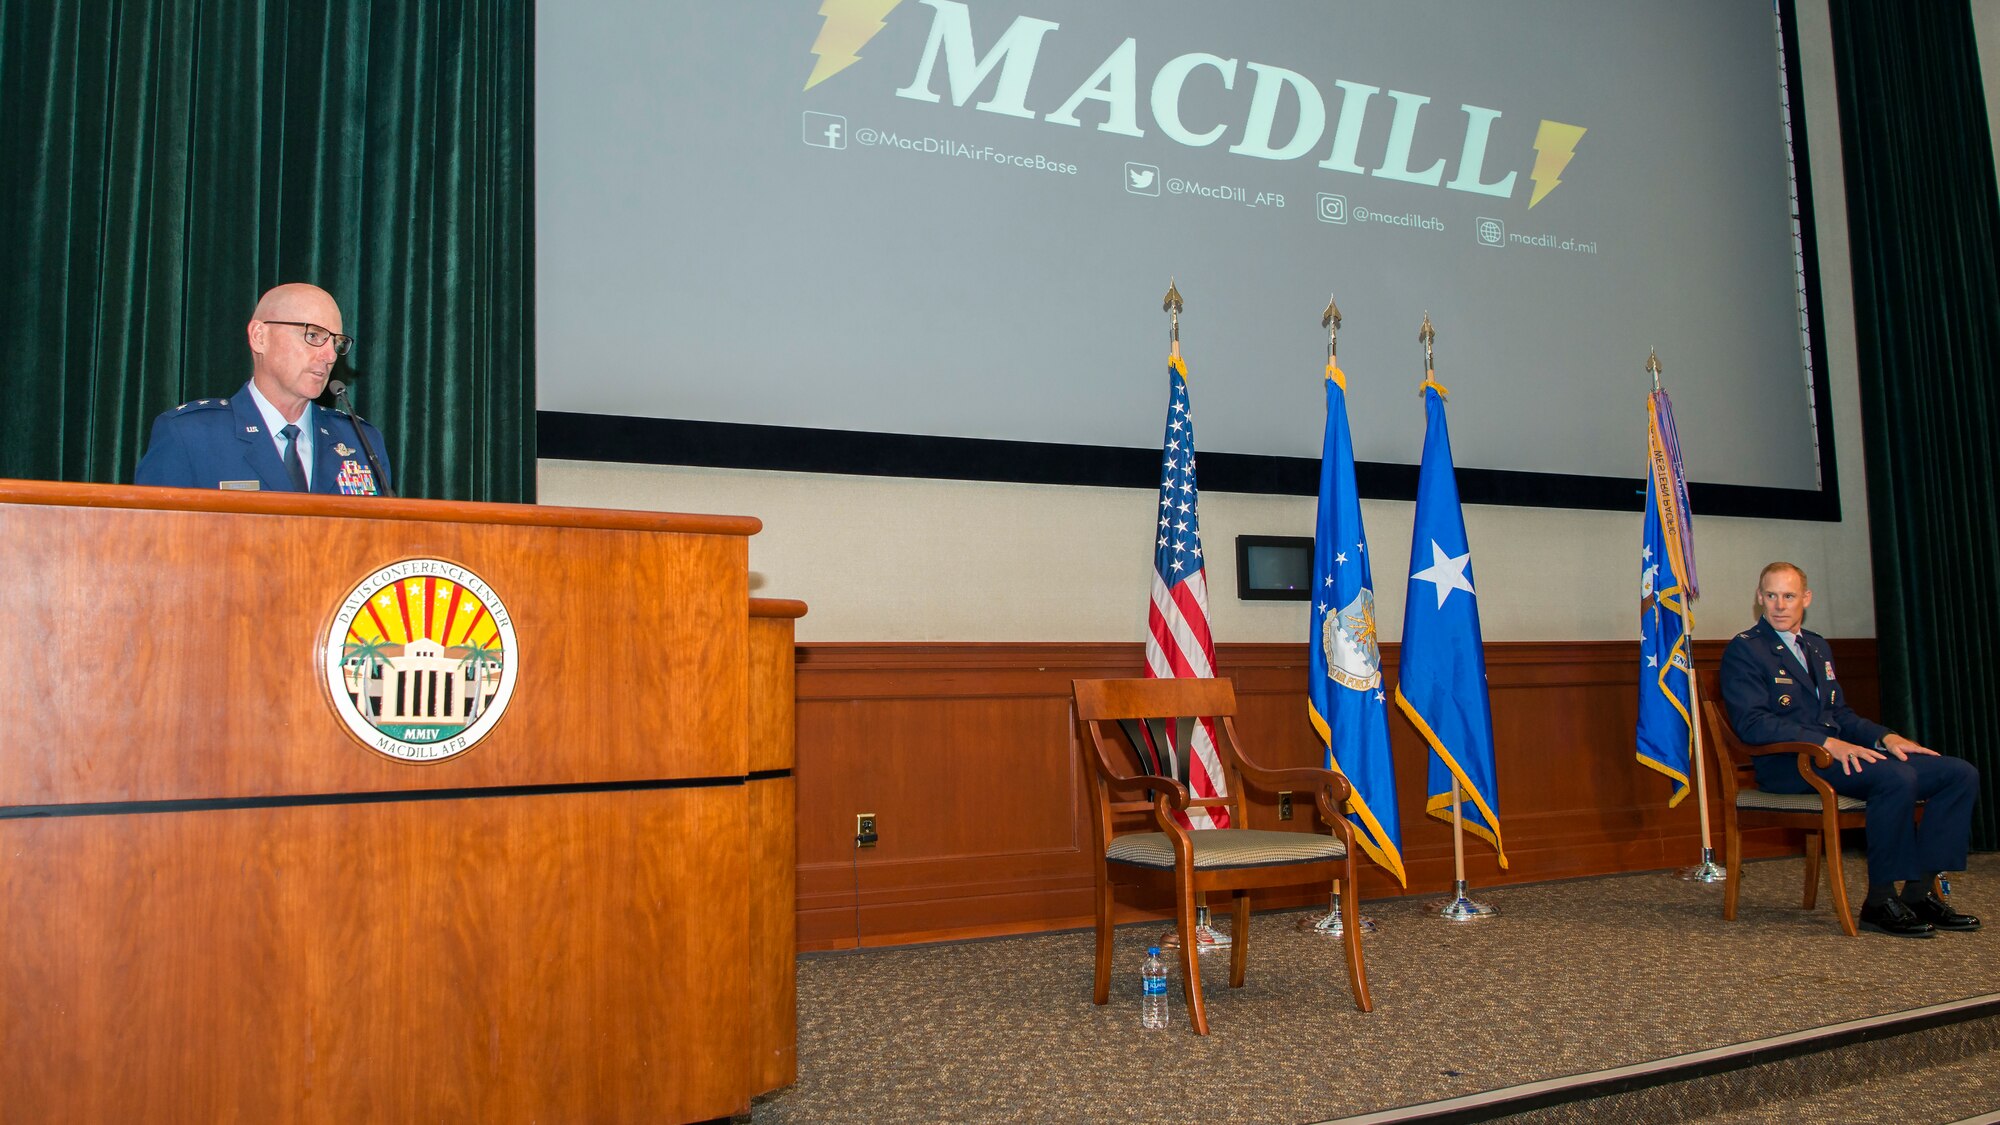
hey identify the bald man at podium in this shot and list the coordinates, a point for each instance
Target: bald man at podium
(270, 435)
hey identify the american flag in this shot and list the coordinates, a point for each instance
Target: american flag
(1177, 640)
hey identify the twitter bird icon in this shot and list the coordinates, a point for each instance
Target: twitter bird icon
(1142, 179)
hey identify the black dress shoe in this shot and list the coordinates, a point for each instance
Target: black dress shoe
(1894, 917)
(1939, 913)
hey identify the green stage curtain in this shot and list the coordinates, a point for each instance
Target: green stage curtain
(1924, 225)
(162, 162)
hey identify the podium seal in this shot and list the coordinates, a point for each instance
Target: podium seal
(420, 660)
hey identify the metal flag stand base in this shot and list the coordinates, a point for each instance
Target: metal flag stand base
(1459, 908)
(1331, 924)
(1707, 871)
(1206, 939)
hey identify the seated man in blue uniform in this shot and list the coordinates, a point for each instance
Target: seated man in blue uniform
(269, 435)
(1779, 684)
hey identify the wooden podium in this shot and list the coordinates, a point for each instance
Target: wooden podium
(217, 903)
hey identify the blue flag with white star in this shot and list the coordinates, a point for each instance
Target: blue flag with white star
(1442, 680)
(1344, 691)
(1666, 614)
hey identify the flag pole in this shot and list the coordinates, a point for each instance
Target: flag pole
(1457, 907)
(1206, 939)
(1333, 923)
(1707, 871)
(1458, 834)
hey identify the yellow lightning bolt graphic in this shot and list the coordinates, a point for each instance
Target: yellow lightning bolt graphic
(850, 24)
(1555, 144)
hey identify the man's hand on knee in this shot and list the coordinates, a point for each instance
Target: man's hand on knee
(1851, 756)
(1902, 747)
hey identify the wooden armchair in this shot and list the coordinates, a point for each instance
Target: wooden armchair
(1821, 813)
(1122, 721)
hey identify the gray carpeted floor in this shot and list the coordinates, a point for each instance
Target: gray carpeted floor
(1573, 977)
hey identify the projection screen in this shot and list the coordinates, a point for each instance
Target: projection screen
(932, 237)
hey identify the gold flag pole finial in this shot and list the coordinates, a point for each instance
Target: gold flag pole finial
(1172, 307)
(1653, 366)
(1427, 336)
(1330, 320)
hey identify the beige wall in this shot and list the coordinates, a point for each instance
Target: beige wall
(904, 560)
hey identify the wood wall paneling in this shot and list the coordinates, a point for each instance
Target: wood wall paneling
(965, 754)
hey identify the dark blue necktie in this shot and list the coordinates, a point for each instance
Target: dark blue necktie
(1812, 673)
(293, 465)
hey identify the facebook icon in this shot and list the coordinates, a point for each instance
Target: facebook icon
(826, 130)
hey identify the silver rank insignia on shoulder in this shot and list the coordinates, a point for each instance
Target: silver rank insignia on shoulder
(341, 448)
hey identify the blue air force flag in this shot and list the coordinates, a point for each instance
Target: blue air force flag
(1442, 687)
(1348, 706)
(1666, 612)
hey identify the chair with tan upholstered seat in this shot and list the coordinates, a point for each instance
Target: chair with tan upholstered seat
(1125, 722)
(1822, 813)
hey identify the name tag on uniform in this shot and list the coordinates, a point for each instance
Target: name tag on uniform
(1782, 680)
(239, 486)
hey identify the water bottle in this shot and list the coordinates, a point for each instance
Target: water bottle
(1153, 991)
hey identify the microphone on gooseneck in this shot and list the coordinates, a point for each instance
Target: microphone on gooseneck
(341, 404)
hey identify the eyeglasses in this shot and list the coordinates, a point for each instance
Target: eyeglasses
(316, 337)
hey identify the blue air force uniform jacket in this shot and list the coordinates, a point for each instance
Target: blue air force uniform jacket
(1771, 699)
(201, 444)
